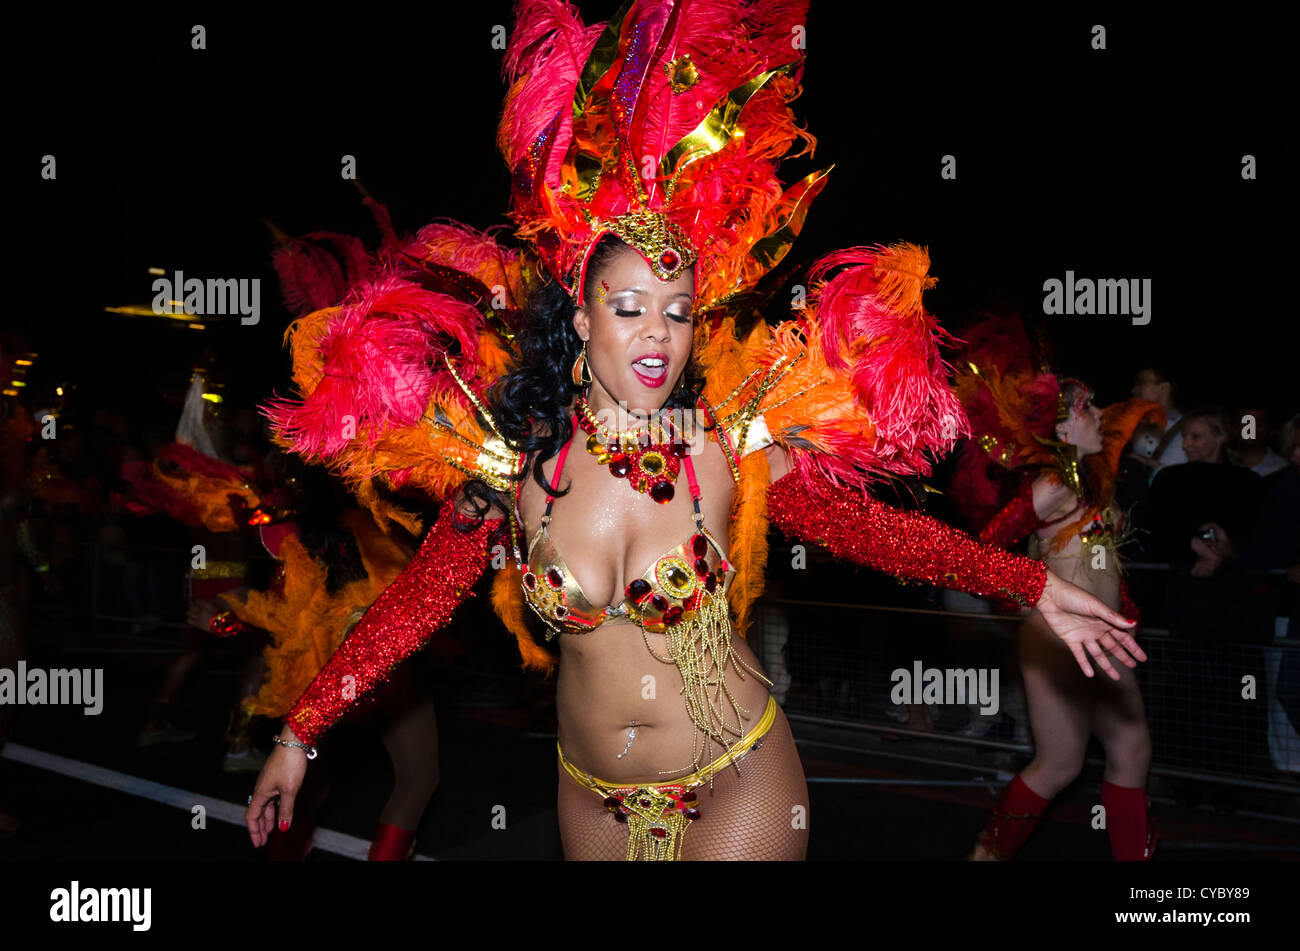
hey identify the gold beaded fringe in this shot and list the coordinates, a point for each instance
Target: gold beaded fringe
(701, 646)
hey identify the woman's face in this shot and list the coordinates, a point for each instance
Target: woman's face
(1083, 429)
(638, 331)
(1200, 442)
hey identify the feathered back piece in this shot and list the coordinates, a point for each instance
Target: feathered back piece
(307, 622)
(192, 488)
(316, 269)
(391, 379)
(1014, 402)
(855, 386)
(663, 126)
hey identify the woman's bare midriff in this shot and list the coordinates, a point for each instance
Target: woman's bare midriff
(1094, 571)
(608, 678)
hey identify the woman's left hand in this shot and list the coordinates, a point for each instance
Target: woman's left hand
(1088, 627)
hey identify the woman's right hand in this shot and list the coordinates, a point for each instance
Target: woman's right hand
(277, 787)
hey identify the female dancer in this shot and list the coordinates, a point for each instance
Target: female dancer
(644, 154)
(1043, 435)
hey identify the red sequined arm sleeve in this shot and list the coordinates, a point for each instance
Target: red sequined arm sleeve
(907, 544)
(1015, 521)
(403, 619)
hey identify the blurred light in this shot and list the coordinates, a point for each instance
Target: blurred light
(135, 310)
(23, 363)
(157, 271)
(58, 390)
(212, 397)
(11, 392)
(17, 383)
(195, 326)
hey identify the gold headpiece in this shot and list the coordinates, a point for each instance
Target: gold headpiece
(657, 239)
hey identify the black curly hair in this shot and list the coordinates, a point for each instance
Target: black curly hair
(531, 403)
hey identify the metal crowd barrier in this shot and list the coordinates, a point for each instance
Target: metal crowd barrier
(1225, 712)
(1220, 712)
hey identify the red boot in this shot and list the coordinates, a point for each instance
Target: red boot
(391, 844)
(1017, 813)
(1133, 836)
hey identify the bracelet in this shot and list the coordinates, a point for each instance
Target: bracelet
(294, 744)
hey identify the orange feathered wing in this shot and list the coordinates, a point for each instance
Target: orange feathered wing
(390, 381)
(306, 622)
(853, 388)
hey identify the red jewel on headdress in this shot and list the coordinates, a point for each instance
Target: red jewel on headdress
(662, 492)
(669, 259)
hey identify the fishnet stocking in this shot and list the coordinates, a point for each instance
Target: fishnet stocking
(758, 814)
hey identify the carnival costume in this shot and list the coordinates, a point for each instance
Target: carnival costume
(663, 127)
(1014, 403)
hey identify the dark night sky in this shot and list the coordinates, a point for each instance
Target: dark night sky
(1123, 163)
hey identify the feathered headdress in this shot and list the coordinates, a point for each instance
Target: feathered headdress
(663, 126)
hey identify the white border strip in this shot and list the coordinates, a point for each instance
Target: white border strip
(338, 843)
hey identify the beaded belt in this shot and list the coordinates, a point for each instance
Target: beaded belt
(658, 815)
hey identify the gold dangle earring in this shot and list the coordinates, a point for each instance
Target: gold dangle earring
(581, 372)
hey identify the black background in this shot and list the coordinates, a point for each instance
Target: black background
(1117, 163)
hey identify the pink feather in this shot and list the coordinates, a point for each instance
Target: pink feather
(379, 359)
(549, 45)
(889, 344)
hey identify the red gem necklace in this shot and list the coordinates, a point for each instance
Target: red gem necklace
(649, 464)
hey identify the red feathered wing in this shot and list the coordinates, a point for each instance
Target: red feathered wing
(391, 378)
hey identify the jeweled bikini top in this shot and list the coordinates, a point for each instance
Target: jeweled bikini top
(673, 589)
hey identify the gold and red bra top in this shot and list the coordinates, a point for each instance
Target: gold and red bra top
(675, 586)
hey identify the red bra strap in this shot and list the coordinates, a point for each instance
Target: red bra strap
(690, 477)
(559, 467)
